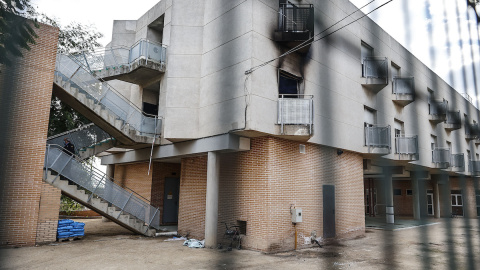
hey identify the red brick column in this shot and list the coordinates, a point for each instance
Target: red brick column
(25, 92)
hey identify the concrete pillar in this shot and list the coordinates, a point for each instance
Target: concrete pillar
(416, 198)
(388, 184)
(211, 211)
(436, 198)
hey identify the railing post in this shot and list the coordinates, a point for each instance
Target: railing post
(146, 53)
(93, 192)
(281, 113)
(121, 211)
(113, 56)
(86, 61)
(60, 172)
(46, 161)
(151, 220)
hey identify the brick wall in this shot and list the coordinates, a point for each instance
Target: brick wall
(193, 187)
(467, 187)
(260, 185)
(135, 177)
(24, 108)
(48, 214)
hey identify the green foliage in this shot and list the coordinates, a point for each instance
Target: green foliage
(68, 205)
(75, 36)
(16, 31)
(63, 118)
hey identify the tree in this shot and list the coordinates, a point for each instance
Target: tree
(17, 32)
(72, 38)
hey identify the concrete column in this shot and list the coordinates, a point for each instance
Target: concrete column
(388, 184)
(416, 198)
(436, 198)
(211, 211)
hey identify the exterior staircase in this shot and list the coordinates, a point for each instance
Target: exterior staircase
(142, 64)
(103, 105)
(92, 188)
(88, 140)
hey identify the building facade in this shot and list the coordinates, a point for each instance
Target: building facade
(347, 125)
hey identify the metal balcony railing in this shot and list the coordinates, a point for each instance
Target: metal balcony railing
(472, 130)
(441, 155)
(453, 118)
(82, 137)
(118, 56)
(375, 67)
(457, 160)
(377, 136)
(298, 18)
(105, 95)
(474, 166)
(100, 185)
(403, 85)
(438, 107)
(406, 145)
(295, 110)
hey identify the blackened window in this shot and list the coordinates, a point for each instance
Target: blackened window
(288, 84)
(397, 192)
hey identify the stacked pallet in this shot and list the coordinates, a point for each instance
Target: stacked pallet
(69, 229)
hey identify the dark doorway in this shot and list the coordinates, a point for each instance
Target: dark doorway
(328, 211)
(170, 200)
(150, 108)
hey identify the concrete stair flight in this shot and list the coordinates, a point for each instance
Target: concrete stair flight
(88, 140)
(93, 189)
(103, 105)
(142, 64)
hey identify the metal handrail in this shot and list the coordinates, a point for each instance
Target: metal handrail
(408, 84)
(378, 70)
(74, 169)
(295, 109)
(441, 155)
(406, 145)
(82, 137)
(457, 160)
(76, 72)
(378, 136)
(453, 118)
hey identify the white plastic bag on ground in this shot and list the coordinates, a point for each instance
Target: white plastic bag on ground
(194, 243)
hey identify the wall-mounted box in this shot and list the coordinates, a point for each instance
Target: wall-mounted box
(296, 215)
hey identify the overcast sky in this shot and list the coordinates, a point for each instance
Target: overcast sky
(420, 25)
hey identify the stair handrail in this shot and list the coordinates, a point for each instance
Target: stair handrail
(70, 131)
(108, 86)
(82, 141)
(94, 172)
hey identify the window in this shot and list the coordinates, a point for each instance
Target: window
(366, 51)
(288, 84)
(433, 141)
(409, 192)
(395, 70)
(397, 192)
(398, 128)
(369, 117)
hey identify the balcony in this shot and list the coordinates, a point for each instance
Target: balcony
(406, 148)
(142, 64)
(453, 121)
(403, 90)
(457, 163)
(437, 111)
(375, 72)
(378, 140)
(472, 131)
(295, 115)
(474, 167)
(441, 158)
(295, 24)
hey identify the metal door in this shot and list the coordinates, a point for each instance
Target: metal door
(170, 200)
(328, 211)
(430, 209)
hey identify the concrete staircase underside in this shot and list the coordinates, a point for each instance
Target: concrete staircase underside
(96, 149)
(100, 206)
(139, 72)
(103, 118)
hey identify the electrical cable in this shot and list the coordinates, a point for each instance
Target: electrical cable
(307, 43)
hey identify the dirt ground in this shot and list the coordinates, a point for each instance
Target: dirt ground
(451, 244)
